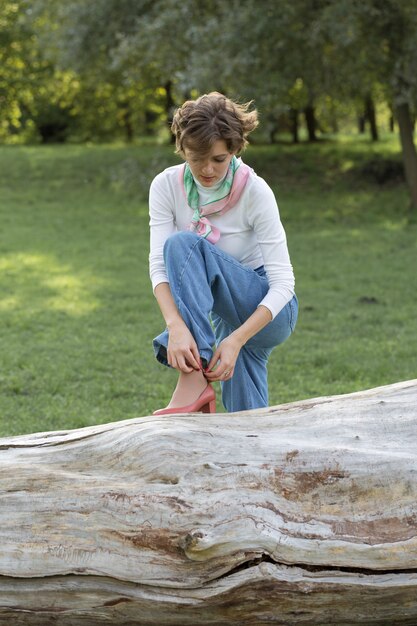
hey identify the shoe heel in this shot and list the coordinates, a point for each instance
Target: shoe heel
(210, 407)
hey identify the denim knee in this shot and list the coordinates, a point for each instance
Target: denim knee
(183, 239)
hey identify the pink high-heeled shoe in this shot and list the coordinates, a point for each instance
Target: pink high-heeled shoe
(205, 403)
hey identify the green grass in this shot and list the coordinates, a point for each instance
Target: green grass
(77, 314)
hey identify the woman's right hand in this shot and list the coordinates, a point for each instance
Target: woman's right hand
(182, 350)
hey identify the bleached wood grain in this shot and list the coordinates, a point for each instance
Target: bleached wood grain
(304, 513)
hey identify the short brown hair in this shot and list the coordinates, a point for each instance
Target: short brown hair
(197, 124)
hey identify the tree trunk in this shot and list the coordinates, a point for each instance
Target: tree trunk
(150, 118)
(311, 123)
(303, 513)
(371, 117)
(409, 153)
(391, 120)
(273, 130)
(361, 124)
(391, 124)
(169, 106)
(294, 125)
(127, 122)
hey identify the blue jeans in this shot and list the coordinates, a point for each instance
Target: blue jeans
(215, 294)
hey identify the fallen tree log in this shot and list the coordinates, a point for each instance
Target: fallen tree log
(304, 513)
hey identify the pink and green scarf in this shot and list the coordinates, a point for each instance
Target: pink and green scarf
(224, 199)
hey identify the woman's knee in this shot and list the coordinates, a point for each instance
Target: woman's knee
(182, 240)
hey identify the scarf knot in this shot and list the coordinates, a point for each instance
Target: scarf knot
(224, 198)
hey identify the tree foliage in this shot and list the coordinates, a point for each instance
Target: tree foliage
(21, 66)
(378, 38)
(116, 65)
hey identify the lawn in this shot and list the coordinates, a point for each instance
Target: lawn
(77, 314)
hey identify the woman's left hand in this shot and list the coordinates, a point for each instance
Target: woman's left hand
(222, 365)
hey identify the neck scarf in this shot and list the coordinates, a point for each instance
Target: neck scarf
(223, 199)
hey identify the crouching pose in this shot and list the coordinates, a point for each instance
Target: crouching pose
(219, 262)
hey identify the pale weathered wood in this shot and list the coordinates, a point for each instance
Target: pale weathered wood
(304, 513)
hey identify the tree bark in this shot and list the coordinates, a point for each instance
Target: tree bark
(127, 122)
(409, 153)
(370, 115)
(169, 106)
(311, 123)
(294, 123)
(391, 120)
(361, 124)
(304, 513)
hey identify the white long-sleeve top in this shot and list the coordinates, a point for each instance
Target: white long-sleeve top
(251, 232)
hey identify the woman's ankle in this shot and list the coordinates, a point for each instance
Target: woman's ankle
(189, 388)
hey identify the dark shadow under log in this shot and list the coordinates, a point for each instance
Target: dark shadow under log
(304, 513)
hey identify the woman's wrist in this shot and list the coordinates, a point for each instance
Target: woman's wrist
(258, 320)
(174, 322)
(239, 336)
(168, 307)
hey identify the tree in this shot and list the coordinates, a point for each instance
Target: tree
(36, 100)
(22, 71)
(273, 52)
(302, 513)
(126, 43)
(293, 57)
(378, 39)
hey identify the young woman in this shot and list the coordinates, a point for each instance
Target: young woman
(219, 262)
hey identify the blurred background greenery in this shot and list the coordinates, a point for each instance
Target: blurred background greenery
(87, 91)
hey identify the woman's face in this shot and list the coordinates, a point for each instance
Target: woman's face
(211, 168)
